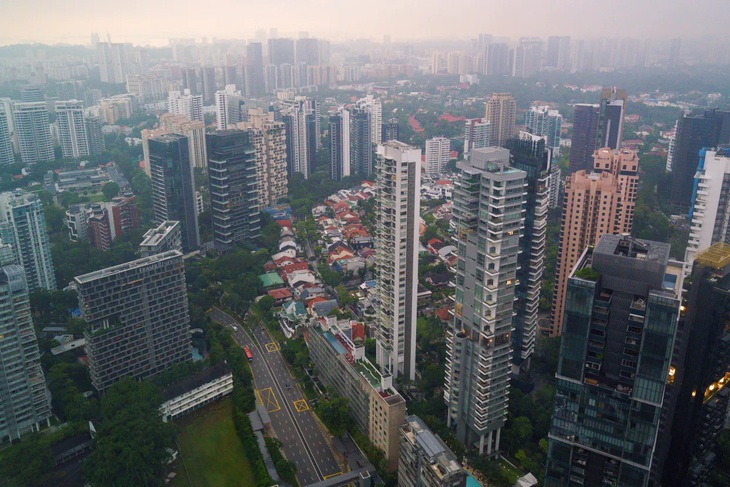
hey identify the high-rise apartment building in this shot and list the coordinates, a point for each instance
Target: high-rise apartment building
(186, 104)
(497, 59)
(701, 372)
(583, 139)
(361, 145)
(527, 57)
(391, 130)
(95, 135)
(540, 120)
(300, 144)
(23, 226)
(173, 187)
(137, 320)
(113, 57)
(709, 214)
(611, 113)
(307, 51)
(530, 154)
(438, 151)
(33, 131)
(234, 199)
(209, 83)
(489, 216)
(26, 403)
(501, 112)
(146, 88)
(425, 460)
(254, 72)
(339, 131)
(621, 320)
(696, 130)
(477, 134)
(190, 80)
(6, 140)
(269, 139)
(228, 106)
(594, 204)
(162, 239)
(72, 129)
(195, 133)
(558, 53)
(374, 108)
(398, 176)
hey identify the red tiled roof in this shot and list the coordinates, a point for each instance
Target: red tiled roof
(280, 293)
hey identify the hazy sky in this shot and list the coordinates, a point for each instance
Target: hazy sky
(154, 21)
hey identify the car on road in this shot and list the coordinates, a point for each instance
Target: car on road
(235, 328)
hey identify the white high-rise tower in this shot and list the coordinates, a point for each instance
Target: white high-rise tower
(398, 177)
(72, 129)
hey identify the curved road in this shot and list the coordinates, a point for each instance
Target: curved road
(305, 443)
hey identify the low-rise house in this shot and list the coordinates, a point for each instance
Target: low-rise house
(280, 295)
(322, 308)
(195, 391)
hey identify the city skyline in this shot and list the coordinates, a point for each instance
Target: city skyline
(336, 23)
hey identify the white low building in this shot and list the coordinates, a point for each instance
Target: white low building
(193, 392)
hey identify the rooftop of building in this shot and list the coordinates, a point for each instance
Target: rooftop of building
(153, 236)
(441, 459)
(635, 248)
(716, 257)
(127, 266)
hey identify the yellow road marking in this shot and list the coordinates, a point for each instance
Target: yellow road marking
(331, 475)
(268, 399)
(272, 347)
(301, 405)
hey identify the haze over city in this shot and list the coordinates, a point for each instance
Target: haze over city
(153, 22)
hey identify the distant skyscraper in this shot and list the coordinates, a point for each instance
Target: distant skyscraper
(209, 84)
(498, 60)
(23, 226)
(478, 342)
(94, 132)
(228, 105)
(33, 130)
(501, 112)
(307, 51)
(281, 51)
(583, 140)
(361, 147)
(477, 134)
(674, 48)
(72, 129)
(190, 80)
(6, 141)
(112, 62)
(255, 85)
(529, 153)
(373, 107)
(696, 130)
(594, 204)
(710, 211)
(391, 130)
(339, 131)
(398, 177)
(32, 94)
(611, 118)
(527, 57)
(185, 104)
(26, 402)
(701, 372)
(438, 152)
(173, 188)
(621, 322)
(300, 138)
(137, 320)
(540, 120)
(558, 52)
(234, 198)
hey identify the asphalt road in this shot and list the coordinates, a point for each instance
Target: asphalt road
(304, 440)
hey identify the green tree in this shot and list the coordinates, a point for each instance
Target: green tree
(110, 190)
(131, 442)
(335, 413)
(27, 463)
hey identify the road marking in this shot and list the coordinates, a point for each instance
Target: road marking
(301, 405)
(331, 475)
(268, 399)
(272, 347)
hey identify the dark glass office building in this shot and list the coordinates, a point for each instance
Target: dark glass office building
(618, 336)
(361, 147)
(173, 187)
(695, 131)
(234, 197)
(583, 141)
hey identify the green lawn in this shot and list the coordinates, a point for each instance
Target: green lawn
(212, 453)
